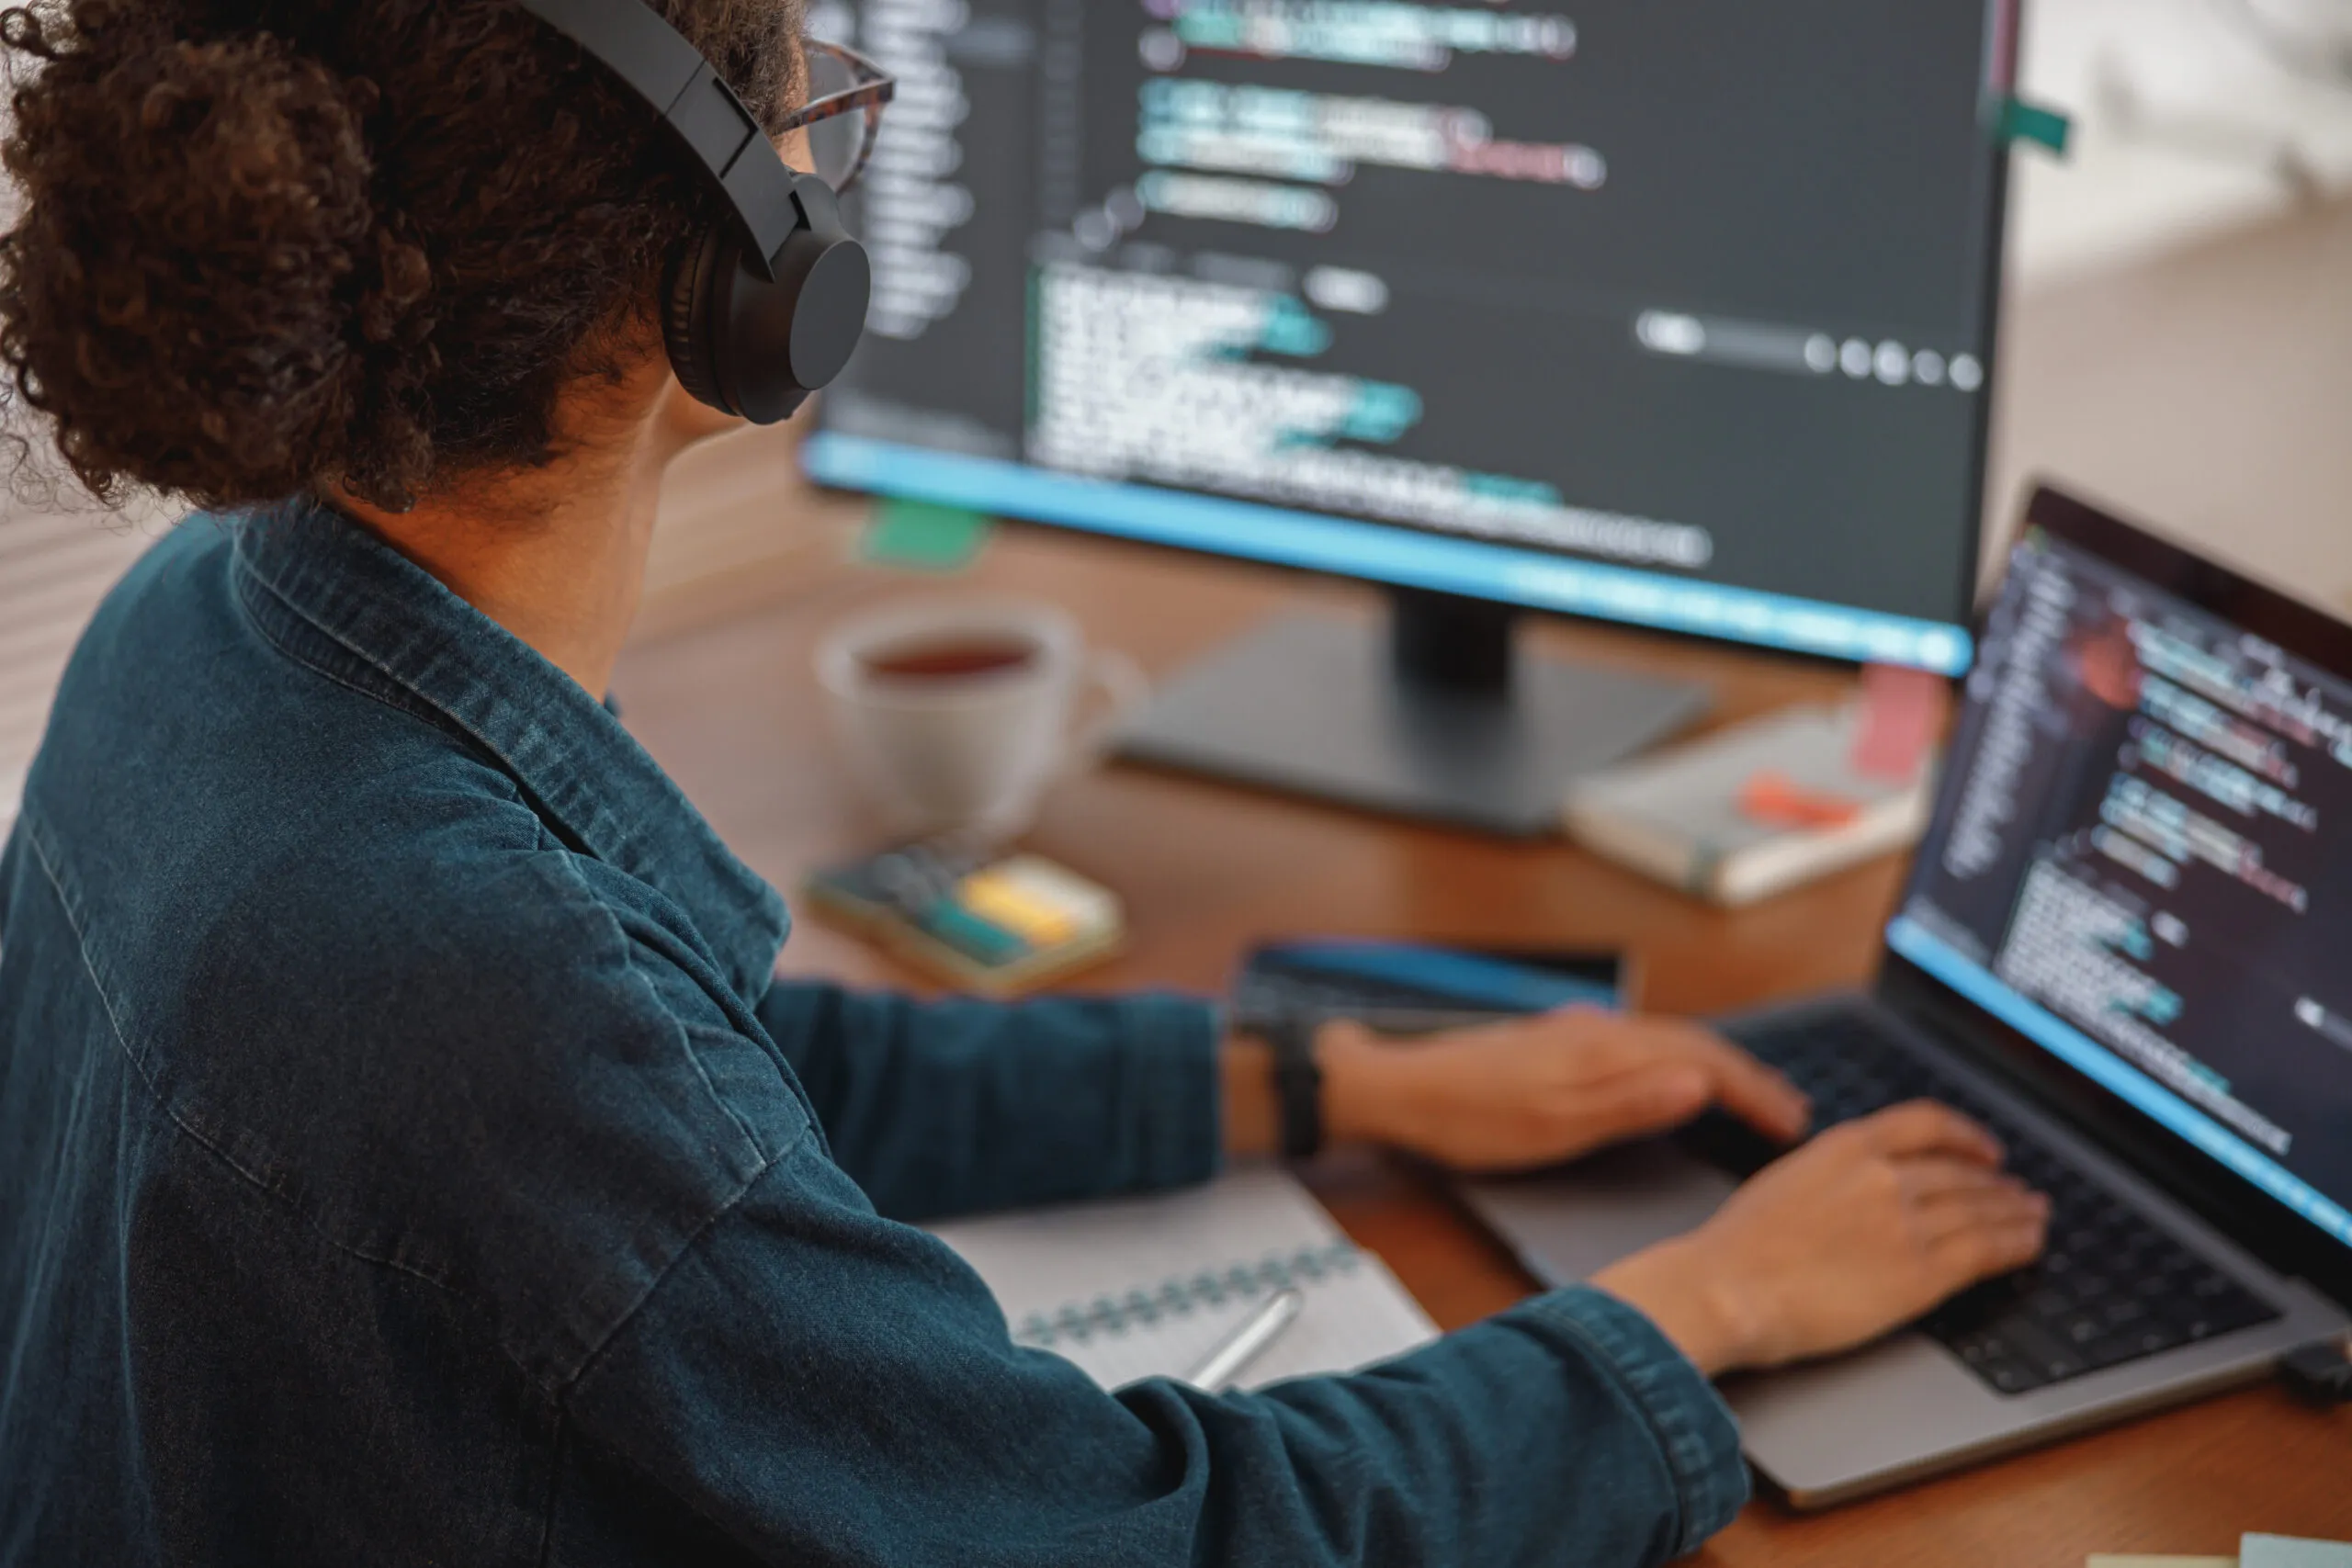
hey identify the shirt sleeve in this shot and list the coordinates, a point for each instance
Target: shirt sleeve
(961, 1107)
(822, 1387)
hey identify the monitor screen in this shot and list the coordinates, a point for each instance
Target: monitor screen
(2135, 862)
(1670, 313)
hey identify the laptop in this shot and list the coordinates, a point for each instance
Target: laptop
(2126, 946)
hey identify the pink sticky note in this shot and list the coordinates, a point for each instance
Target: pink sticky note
(1902, 714)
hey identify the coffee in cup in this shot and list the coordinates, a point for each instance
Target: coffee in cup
(950, 659)
(958, 713)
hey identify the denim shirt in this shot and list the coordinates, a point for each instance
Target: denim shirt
(408, 1156)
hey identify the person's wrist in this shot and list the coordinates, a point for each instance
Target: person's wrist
(1252, 1114)
(1673, 1286)
(1360, 1093)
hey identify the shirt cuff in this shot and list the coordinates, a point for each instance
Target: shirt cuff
(1696, 1433)
(1180, 1131)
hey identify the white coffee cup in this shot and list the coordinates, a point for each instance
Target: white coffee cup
(958, 713)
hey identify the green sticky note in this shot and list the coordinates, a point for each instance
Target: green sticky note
(2022, 121)
(923, 537)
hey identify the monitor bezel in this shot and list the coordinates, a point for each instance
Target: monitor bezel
(2282, 1238)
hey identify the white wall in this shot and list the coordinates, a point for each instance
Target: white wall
(53, 567)
(2181, 116)
(2179, 339)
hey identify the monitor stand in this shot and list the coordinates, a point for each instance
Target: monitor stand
(1439, 714)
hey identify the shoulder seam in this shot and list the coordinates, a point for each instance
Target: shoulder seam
(685, 1042)
(710, 1222)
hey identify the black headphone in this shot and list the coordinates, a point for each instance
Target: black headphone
(766, 306)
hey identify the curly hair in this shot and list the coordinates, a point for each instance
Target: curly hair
(267, 247)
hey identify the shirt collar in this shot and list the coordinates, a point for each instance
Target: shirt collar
(563, 747)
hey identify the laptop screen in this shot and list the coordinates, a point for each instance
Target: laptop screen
(2142, 854)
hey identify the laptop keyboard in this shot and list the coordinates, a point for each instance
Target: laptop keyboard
(2113, 1287)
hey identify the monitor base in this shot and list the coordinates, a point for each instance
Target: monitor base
(1351, 713)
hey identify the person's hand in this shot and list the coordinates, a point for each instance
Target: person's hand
(1863, 1229)
(1529, 1093)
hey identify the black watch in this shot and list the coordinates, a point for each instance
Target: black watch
(1298, 1085)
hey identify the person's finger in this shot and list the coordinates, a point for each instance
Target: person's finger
(1995, 1204)
(1653, 1099)
(1982, 1251)
(1924, 1127)
(1926, 1178)
(1748, 1090)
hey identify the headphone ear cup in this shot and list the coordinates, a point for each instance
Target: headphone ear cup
(754, 346)
(789, 337)
(692, 313)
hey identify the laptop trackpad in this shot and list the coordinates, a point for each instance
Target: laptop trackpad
(1569, 1225)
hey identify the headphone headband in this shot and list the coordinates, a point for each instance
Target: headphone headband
(679, 84)
(758, 310)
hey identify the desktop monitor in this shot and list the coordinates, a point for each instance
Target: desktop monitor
(1673, 313)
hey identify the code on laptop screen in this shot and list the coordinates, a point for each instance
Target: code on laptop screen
(2146, 838)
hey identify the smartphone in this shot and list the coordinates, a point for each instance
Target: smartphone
(1408, 988)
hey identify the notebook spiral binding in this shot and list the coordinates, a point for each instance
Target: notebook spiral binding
(1078, 1322)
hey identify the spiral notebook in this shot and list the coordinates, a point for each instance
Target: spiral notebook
(1136, 1287)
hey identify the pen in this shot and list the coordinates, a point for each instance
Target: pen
(1237, 1349)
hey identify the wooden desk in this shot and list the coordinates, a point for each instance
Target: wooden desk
(732, 710)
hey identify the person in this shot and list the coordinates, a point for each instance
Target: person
(407, 1153)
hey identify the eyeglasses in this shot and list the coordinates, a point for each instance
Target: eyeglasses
(846, 92)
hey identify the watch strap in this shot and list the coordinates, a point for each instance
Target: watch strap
(1298, 1086)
